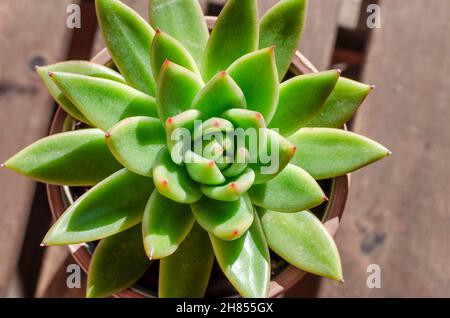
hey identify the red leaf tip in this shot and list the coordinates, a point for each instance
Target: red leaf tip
(339, 71)
(211, 163)
(235, 233)
(372, 87)
(164, 183)
(166, 62)
(324, 198)
(51, 74)
(169, 121)
(43, 244)
(223, 73)
(158, 31)
(107, 135)
(3, 165)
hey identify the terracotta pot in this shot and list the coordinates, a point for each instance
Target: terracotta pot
(59, 197)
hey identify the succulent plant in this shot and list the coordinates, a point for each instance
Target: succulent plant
(188, 204)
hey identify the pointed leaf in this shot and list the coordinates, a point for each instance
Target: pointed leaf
(128, 38)
(177, 87)
(276, 155)
(245, 261)
(176, 124)
(118, 262)
(75, 158)
(112, 206)
(202, 170)
(172, 181)
(135, 142)
(184, 21)
(220, 94)
(282, 26)
(225, 220)
(328, 153)
(104, 102)
(233, 189)
(76, 67)
(256, 74)
(291, 191)
(165, 47)
(342, 104)
(297, 105)
(302, 240)
(165, 225)
(186, 272)
(234, 35)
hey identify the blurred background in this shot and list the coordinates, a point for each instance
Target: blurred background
(397, 220)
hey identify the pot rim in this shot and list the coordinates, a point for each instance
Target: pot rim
(280, 283)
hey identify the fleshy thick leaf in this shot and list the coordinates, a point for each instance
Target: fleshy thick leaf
(235, 34)
(112, 206)
(273, 158)
(165, 47)
(173, 181)
(135, 142)
(76, 67)
(184, 21)
(202, 170)
(342, 104)
(233, 189)
(282, 26)
(225, 220)
(301, 98)
(104, 102)
(165, 225)
(302, 240)
(177, 87)
(118, 262)
(327, 153)
(186, 272)
(291, 191)
(76, 158)
(256, 74)
(128, 38)
(245, 261)
(220, 94)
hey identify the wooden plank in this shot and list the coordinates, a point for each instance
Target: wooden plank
(398, 214)
(319, 36)
(37, 37)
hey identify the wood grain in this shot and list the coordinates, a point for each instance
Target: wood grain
(398, 213)
(37, 37)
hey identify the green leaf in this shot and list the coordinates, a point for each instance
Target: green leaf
(165, 47)
(342, 104)
(128, 38)
(220, 94)
(302, 240)
(297, 105)
(135, 142)
(282, 26)
(76, 67)
(256, 74)
(184, 21)
(112, 206)
(75, 158)
(176, 124)
(165, 225)
(234, 35)
(118, 262)
(225, 220)
(245, 261)
(328, 152)
(291, 191)
(172, 181)
(233, 189)
(272, 160)
(104, 102)
(177, 87)
(203, 170)
(186, 272)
